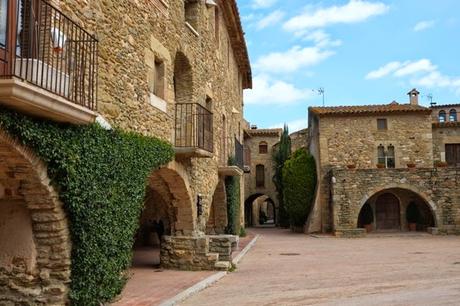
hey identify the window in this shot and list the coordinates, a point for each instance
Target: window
(382, 124)
(442, 116)
(386, 157)
(191, 12)
(216, 25)
(158, 79)
(453, 115)
(260, 176)
(453, 155)
(3, 21)
(263, 148)
(209, 104)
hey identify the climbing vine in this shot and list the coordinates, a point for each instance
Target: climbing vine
(101, 177)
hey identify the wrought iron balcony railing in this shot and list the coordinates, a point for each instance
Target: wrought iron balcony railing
(194, 127)
(239, 154)
(42, 46)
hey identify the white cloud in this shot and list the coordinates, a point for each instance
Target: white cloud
(292, 60)
(274, 92)
(400, 69)
(294, 125)
(322, 39)
(384, 70)
(353, 12)
(424, 25)
(422, 72)
(423, 65)
(262, 4)
(270, 20)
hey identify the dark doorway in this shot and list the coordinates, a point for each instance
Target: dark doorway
(387, 212)
(453, 155)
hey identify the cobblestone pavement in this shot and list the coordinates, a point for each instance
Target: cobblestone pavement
(285, 268)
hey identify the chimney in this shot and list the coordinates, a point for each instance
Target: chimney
(413, 96)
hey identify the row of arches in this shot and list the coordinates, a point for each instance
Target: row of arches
(442, 116)
(260, 210)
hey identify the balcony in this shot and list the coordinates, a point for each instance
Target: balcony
(48, 64)
(193, 131)
(237, 168)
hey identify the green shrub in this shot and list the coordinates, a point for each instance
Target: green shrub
(299, 181)
(232, 188)
(243, 232)
(281, 154)
(101, 178)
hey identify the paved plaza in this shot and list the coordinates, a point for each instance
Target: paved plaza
(284, 268)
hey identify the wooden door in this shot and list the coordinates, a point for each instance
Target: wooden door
(387, 212)
(453, 155)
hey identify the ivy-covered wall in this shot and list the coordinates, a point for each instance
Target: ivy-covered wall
(101, 178)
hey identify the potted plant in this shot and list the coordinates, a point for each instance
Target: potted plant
(380, 166)
(351, 166)
(367, 217)
(440, 164)
(412, 216)
(411, 165)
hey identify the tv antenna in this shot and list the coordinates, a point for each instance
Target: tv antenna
(430, 98)
(320, 91)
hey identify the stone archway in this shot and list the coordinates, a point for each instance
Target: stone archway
(217, 216)
(252, 208)
(389, 206)
(35, 244)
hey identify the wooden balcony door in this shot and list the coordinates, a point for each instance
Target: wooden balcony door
(8, 9)
(453, 155)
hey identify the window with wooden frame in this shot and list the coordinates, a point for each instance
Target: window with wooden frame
(260, 176)
(382, 124)
(263, 148)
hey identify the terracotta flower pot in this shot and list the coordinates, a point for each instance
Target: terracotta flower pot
(441, 165)
(413, 227)
(380, 166)
(351, 166)
(368, 228)
(411, 165)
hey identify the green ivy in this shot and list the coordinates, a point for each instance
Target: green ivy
(101, 178)
(232, 188)
(299, 180)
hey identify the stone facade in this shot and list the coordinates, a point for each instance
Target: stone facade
(438, 188)
(299, 140)
(350, 143)
(256, 156)
(152, 56)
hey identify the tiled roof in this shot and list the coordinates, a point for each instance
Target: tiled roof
(265, 132)
(446, 105)
(393, 107)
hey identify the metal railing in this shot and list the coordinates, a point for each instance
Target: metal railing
(44, 47)
(194, 127)
(239, 154)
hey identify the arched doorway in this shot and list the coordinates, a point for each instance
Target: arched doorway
(217, 216)
(396, 209)
(34, 236)
(259, 209)
(168, 211)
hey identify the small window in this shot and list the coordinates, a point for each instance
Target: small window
(260, 176)
(263, 148)
(159, 79)
(209, 104)
(191, 12)
(386, 157)
(382, 124)
(453, 115)
(216, 25)
(442, 116)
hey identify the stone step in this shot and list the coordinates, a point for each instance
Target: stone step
(223, 265)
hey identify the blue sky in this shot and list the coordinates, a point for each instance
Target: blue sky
(359, 51)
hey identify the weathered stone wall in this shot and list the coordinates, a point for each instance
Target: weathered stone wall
(33, 270)
(132, 36)
(354, 140)
(338, 141)
(271, 137)
(438, 187)
(299, 140)
(444, 134)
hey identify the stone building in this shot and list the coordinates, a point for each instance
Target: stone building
(260, 191)
(377, 169)
(175, 70)
(446, 134)
(299, 140)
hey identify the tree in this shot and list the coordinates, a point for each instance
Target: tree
(299, 180)
(280, 156)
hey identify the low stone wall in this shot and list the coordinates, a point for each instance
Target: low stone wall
(438, 187)
(224, 245)
(187, 253)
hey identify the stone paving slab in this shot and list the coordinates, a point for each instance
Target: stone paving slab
(295, 269)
